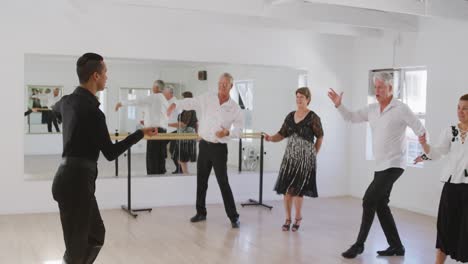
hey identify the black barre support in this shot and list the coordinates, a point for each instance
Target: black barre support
(128, 207)
(240, 154)
(260, 196)
(117, 159)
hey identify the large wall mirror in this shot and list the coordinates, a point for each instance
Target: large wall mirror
(49, 77)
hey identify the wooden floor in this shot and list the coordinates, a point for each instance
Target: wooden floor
(165, 235)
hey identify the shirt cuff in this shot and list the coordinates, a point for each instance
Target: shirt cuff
(137, 136)
(425, 156)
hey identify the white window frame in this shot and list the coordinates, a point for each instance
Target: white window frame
(303, 80)
(234, 93)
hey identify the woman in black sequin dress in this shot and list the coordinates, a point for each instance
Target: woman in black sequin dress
(297, 175)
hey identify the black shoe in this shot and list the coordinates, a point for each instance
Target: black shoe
(392, 251)
(353, 251)
(198, 218)
(235, 223)
(296, 225)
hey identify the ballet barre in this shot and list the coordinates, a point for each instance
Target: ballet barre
(188, 136)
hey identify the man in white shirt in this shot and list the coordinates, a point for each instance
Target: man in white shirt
(220, 119)
(171, 99)
(47, 101)
(388, 120)
(155, 109)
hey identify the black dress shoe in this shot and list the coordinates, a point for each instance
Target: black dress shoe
(392, 251)
(198, 218)
(235, 223)
(353, 251)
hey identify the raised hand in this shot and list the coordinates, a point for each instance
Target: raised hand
(335, 97)
(418, 159)
(117, 106)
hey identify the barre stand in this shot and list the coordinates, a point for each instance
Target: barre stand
(128, 208)
(252, 202)
(117, 136)
(117, 159)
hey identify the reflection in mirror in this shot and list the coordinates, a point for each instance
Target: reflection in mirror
(40, 116)
(131, 82)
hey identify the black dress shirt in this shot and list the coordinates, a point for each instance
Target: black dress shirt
(85, 131)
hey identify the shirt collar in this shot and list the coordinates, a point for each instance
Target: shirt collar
(228, 103)
(87, 94)
(391, 105)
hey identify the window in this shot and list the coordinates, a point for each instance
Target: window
(303, 80)
(102, 98)
(414, 83)
(410, 86)
(242, 93)
(130, 117)
(131, 112)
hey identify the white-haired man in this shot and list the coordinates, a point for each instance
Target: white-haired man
(388, 119)
(220, 120)
(171, 99)
(155, 108)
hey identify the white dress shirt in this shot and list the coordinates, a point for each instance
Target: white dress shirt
(53, 100)
(388, 131)
(450, 146)
(173, 117)
(213, 117)
(155, 109)
(47, 100)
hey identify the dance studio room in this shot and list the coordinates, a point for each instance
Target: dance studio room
(234, 131)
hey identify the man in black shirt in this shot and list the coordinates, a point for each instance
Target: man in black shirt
(85, 134)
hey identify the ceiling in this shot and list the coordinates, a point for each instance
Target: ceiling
(341, 17)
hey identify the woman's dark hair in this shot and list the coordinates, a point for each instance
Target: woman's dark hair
(305, 92)
(187, 94)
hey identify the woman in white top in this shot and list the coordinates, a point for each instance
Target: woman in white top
(452, 220)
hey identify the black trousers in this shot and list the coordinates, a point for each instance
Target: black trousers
(376, 200)
(52, 119)
(214, 155)
(172, 149)
(83, 229)
(156, 153)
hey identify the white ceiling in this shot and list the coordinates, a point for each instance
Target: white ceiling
(457, 9)
(341, 17)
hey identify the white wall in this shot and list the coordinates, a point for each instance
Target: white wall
(441, 46)
(54, 27)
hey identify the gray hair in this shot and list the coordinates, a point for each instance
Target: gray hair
(160, 84)
(385, 77)
(228, 76)
(169, 89)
